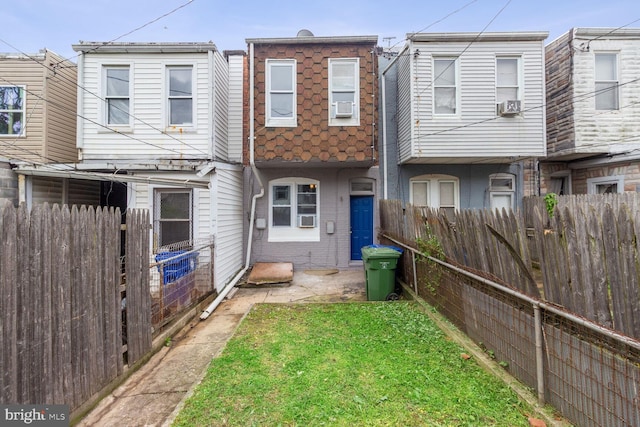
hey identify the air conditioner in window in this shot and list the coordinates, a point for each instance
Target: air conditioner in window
(306, 221)
(509, 108)
(344, 109)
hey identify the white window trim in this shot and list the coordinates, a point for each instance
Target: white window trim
(592, 183)
(617, 81)
(456, 62)
(194, 96)
(501, 191)
(520, 82)
(281, 121)
(154, 195)
(293, 233)
(23, 131)
(355, 119)
(104, 113)
(434, 189)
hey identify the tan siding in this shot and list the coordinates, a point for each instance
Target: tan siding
(47, 190)
(30, 73)
(83, 192)
(61, 111)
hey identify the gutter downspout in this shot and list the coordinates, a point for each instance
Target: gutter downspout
(256, 196)
(384, 136)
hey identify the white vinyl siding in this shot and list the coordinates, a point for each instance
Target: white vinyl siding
(473, 134)
(221, 107)
(150, 138)
(236, 68)
(228, 212)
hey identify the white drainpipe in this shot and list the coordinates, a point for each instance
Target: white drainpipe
(238, 276)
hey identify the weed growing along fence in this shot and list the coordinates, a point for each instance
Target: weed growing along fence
(587, 371)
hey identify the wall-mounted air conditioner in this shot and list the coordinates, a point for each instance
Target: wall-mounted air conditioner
(510, 107)
(344, 109)
(306, 221)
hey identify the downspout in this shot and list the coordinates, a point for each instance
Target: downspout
(80, 107)
(255, 197)
(384, 136)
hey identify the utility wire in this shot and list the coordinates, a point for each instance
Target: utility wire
(77, 85)
(136, 29)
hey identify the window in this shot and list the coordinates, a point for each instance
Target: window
(180, 95)
(606, 81)
(117, 95)
(173, 216)
(281, 92)
(436, 191)
(445, 97)
(502, 190)
(605, 185)
(12, 110)
(507, 79)
(294, 210)
(344, 92)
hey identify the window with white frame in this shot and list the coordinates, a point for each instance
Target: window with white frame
(12, 110)
(445, 82)
(502, 190)
(294, 210)
(173, 216)
(117, 89)
(507, 79)
(436, 191)
(281, 92)
(606, 185)
(344, 91)
(606, 81)
(180, 95)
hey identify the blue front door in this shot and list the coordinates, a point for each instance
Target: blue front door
(361, 224)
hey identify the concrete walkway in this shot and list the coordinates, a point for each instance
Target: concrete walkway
(152, 396)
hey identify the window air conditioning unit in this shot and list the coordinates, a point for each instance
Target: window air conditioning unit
(306, 221)
(344, 109)
(509, 108)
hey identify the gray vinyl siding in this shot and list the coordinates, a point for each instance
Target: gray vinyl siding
(220, 106)
(405, 107)
(476, 131)
(227, 185)
(236, 63)
(47, 190)
(150, 136)
(83, 192)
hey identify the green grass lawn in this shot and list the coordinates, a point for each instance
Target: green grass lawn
(356, 364)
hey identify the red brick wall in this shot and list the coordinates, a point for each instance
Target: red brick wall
(313, 140)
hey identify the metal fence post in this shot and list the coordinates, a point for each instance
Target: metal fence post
(539, 353)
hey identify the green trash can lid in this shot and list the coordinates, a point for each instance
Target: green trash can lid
(377, 252)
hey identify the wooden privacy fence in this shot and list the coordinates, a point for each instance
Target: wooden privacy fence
(588, 252)
(60, 305)
(587, 371)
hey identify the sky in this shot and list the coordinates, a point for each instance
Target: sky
(31, 25)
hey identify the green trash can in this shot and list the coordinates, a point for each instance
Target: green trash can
(380, 272)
